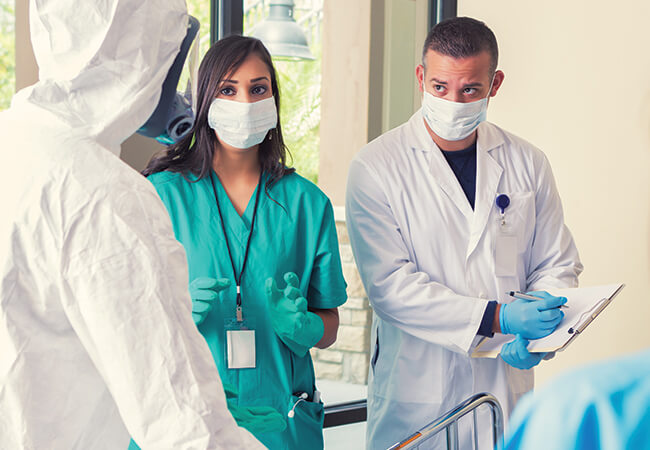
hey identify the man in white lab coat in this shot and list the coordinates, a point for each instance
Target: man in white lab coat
(445, 214)
(96, 329)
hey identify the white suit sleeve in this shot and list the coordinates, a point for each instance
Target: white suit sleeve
(125, 295)
(554, 260)
(398, 292)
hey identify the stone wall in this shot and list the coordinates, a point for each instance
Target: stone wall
(347, 360)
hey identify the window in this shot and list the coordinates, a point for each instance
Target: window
(300, 83)
(7, 52)
(200, 9)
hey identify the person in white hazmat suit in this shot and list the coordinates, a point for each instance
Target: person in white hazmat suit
(96, 330)
(446, 213)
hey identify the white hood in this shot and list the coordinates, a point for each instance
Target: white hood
(102, 63)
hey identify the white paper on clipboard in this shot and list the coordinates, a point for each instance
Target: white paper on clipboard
(584, 305)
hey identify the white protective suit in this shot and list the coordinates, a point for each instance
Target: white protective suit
(96, 330)
(427, 262)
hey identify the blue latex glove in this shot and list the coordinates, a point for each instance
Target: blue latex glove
(298, 328)
(256, 419)
(532, 319)
(517, 355)
(204, 292)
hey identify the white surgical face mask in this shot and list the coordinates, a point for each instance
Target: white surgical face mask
(454, 121)
(242, 125)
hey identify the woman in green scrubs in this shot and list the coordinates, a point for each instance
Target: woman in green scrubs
(247, 220)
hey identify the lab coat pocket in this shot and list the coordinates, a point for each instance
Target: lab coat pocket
(306, 425)
(520, 218)
(512, 234)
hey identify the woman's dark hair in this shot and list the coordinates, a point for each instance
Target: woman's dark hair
(194, 153)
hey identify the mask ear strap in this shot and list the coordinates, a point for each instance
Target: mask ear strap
(491, 84)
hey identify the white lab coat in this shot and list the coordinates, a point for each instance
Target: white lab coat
(97, 340)
(427, 262)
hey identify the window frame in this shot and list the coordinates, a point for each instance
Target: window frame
(226, 18)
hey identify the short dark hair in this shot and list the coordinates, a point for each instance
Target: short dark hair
(462, 37)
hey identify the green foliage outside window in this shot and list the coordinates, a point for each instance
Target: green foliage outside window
(201, 10)
(300, 112)
(300, 83)
(7, 53)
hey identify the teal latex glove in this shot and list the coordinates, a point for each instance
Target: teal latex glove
(532, 319)
(298, 328)
(256, 419)
(517, 355)
(204, 292)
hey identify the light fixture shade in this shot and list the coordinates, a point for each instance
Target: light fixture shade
(281, 34)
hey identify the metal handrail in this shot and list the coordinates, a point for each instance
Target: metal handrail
(449, 423)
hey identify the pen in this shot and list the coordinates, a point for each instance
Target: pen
(521, 295)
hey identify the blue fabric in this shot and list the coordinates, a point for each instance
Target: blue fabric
(600, 406)
(463, 164)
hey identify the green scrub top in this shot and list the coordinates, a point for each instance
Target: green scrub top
(294, 232)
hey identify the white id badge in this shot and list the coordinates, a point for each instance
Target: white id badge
(505, 253)
(240, 345)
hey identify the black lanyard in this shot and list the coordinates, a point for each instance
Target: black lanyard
(248, 242)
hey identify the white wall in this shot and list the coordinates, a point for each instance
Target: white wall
(578, 86)
(351, 87)
(138, 150)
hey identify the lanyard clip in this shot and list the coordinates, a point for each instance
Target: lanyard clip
(503, 201)
(239, 310)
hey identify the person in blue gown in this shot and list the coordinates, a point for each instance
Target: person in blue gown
(599, 406)
(264, 267)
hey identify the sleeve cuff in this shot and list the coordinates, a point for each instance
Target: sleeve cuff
(488, 320)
